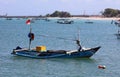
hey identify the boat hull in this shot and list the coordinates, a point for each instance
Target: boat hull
(56, 54)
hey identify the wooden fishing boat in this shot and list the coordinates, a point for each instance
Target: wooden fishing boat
(118, 34)
(41, 51)
(116, 22)
(65, 21)
(89, 22)
(33, 53)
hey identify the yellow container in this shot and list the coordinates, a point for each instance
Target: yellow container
(40, 48)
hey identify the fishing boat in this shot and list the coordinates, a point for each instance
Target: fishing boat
(89, 22)
(118, 34)
(40, 52)
(116, 22)
(65, 21)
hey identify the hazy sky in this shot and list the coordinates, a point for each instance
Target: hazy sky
(43, 7)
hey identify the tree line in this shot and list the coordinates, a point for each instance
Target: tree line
(109, 12)
(59, 14)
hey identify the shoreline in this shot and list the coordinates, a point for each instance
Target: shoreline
(99, 18)
(87, 18)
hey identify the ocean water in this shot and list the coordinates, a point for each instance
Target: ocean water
(101, 33)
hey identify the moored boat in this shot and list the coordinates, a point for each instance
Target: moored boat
(41, 51)
(89, 22)
(33, 53)
(65, 21)
(118, 35)
(116, 22)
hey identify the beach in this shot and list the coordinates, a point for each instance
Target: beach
(97, 18)
(88, 18)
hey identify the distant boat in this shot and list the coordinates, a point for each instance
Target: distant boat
(65, 21)
(8, 18)
(118, 35)
(40, 52)
(117, 22)
(89, 22)
(46, 19)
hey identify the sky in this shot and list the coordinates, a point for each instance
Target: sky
(43, 7)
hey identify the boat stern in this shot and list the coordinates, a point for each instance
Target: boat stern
(13, 52)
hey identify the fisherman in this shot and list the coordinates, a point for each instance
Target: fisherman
(31, 36)
(78, 43)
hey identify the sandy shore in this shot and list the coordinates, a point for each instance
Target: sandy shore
(96, 18)
(89, 18)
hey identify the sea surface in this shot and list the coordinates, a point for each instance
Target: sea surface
(101, 33)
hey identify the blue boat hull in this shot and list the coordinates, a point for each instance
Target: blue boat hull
(56, 54)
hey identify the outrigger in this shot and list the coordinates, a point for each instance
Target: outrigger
(40, 52)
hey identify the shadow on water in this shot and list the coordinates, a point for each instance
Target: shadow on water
(72, 59)
(87, 60)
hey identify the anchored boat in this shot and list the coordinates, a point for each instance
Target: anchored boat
(118, 34)
(41, 52)
(65, 21)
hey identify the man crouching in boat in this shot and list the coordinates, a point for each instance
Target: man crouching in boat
(78, 43)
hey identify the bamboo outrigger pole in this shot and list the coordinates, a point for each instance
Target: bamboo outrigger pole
(30, 38)
(29, 35)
